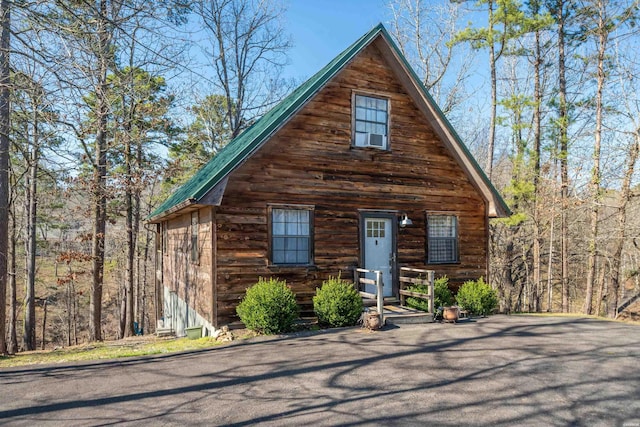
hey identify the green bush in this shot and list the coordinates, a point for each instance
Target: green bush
(269, 307)
(337, 303)
(442, 296)
(477, 297)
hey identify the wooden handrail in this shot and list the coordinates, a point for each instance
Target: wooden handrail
(358, 280)
(429, 281)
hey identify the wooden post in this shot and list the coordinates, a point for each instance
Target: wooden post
(431, 275)
(379, 287)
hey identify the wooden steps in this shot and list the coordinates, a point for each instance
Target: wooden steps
(395, 314)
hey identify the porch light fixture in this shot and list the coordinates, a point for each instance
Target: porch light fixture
(404, 221)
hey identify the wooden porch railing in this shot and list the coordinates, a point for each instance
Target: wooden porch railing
(416, 276)
(359, 280)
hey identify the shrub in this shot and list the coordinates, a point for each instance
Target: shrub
(337, 303)
(477, 297)
(269, 307)
(442, 295)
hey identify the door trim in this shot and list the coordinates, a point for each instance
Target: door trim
(393, 216)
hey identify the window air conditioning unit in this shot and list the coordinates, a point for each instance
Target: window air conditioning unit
(375, 140)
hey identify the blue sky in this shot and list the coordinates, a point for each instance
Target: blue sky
(321, 29)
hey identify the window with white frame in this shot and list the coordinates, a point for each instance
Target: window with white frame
(442, 239)
(291, 242)
(371, 121)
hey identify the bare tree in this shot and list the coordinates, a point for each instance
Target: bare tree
(30, 118)
(425, 34)
(141, 117)
(4, 162)
(87, 42)
(601, 19)
(539, 23)
(104, 58)
(85, 52)
(12, 344)
(629, 130)
(559, 10)
(247, 51)
(504, 23)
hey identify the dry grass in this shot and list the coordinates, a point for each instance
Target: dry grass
(129, 347)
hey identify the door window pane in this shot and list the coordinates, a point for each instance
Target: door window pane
(375, 228)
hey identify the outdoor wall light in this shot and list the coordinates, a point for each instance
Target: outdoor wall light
(404, 221)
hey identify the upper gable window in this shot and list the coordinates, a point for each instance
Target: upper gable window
(371, 118)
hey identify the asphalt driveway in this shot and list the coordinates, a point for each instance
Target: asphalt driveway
(516, 370)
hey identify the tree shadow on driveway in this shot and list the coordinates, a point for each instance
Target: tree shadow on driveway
(496, 371)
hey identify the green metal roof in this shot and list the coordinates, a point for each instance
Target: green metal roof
(241, 147)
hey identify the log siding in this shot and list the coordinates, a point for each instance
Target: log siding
(311, 161)
(191, 282)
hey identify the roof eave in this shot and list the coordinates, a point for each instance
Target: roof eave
(169, 212)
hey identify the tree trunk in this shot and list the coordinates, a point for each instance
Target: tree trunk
(537, 136)
(44, 323)
(5, 128)
(69, 311)
(32, 200)
(625, 196)
(99, 181)
(135, 231)
(494, 97)
(600, 297)
(564, 154)
(75, 312)
(128, 324)
(550, 263)
(12, 344)
(510, 283)
(143, 322)
(595, 171)
(122, 297)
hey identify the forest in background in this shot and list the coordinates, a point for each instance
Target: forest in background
(107, 106)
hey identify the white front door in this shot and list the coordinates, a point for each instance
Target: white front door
(378, 251)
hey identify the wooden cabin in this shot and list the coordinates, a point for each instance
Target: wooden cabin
(327, 181)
